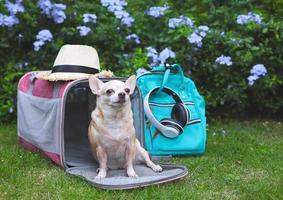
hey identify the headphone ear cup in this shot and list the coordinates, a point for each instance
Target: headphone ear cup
(180, 114)
(173, 124)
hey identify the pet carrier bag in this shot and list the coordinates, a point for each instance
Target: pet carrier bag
(175, 122)
(53, 118)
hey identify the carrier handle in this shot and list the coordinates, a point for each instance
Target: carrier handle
(56, 89)
(32, 79)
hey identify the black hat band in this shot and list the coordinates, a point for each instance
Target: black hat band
(74, 69)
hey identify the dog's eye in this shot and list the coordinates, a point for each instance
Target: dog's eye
(109, 92)
(127, 90)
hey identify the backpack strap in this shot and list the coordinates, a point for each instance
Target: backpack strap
(165, 78)
(167, 70)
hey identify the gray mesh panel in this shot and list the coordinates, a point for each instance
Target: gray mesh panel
(39, 121)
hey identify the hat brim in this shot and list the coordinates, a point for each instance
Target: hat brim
(68, 76)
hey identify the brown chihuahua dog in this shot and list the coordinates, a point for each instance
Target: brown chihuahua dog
(111, 131)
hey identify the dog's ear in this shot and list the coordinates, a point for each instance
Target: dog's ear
(95, 84)
(131, 83)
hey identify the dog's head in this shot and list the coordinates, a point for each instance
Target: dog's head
(115, 92)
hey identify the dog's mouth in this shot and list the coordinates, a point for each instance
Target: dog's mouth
(120, 101)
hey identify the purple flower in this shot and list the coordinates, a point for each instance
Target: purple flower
(121, 14)
(58, 6)
(8, 21)
(84, 30)
(89, 18)
(152, 53)
(224, 60)
(157, 11)
(141, 71)
(107, 3)
(14, 8)
(165, 54)
(177, 22)
(128, 21)
(250, 17)
(134, 37)
(162, 57)
(54, 11)
(259, 70)
(58, 13)
(257, 18)
(252, 79)
(243, 19)
(42, 37)
(194, 38)
(203, 28)
(45, 6)
(187, 21)
(37, 45)
(58, 16)
(117, 7)
(197, 36)
(113, 8)
(202, 33)
(256, 72)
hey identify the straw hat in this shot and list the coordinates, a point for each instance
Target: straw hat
(74, 62)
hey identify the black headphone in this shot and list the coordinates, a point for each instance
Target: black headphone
(180, 115)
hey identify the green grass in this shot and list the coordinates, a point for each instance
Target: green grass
(243, 160)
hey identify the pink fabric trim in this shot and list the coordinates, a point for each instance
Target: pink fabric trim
(24, 82)
(42, 88)
(63, 87)
(53, 156)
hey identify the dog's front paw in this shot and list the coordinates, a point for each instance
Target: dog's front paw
(156, 168)
(101, 174)
(131, 173)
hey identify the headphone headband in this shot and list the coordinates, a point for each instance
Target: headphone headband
(165, 130)
(168, 91)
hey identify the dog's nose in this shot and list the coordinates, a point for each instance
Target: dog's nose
(121, 95)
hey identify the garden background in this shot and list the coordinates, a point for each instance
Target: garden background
(232, 50)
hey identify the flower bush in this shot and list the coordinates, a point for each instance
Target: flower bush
(42, 37)
(232, 49)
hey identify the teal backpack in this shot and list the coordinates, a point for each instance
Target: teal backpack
(175, 122)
